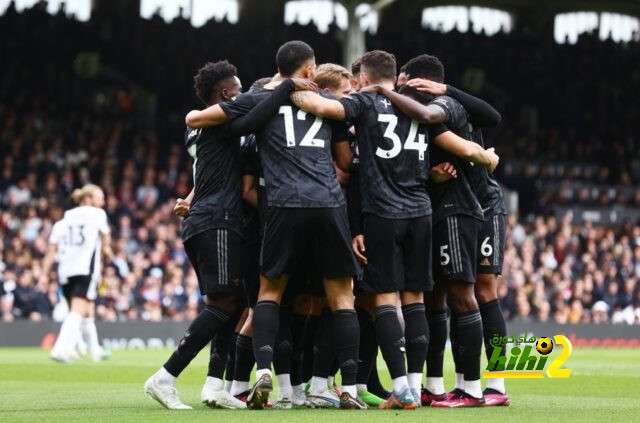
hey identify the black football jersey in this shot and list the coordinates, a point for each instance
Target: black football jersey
(217, 202)
(393, 158)
(485, 185)
(456, 196)
(295, 152)
(251, 166)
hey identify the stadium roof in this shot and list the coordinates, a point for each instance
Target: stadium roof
(631, 7)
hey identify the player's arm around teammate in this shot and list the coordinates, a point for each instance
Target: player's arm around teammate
(449, 141)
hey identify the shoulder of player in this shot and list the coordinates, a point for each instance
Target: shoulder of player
(447, 102)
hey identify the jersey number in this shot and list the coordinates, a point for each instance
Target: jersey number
(75, 236)
(193, 153)
(309, 139)
(486, 249)
(444, 256)
(409, 144)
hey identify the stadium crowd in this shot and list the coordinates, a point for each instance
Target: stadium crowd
(59, 131)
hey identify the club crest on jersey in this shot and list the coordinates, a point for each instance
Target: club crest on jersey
(194, 132)
(442, 101)
(386, 102)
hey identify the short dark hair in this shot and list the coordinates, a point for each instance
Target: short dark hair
(210, 75)
(425, 66)
(355, 66)
(260, 83)
(291, 55)
(380, 65)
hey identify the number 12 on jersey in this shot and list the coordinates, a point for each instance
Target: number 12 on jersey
(309, 139)
(409, 144)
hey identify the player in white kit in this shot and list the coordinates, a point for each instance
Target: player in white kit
(77, 242)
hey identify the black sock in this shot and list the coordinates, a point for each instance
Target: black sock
(469, 335)
(220, 351)
(297, 334)
(284, 345)
(391, 340)
(455, 346)
(416, 333)
(323, 349)
(347, 340)
(437, 340)
(373, 384)
(244, 358)
(266, 319)
(368, 346)
(200, 333)
(308, 341)
(229, 373)
(335, 366)
(493, 323)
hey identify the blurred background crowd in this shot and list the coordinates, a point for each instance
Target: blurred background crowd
(104, 101)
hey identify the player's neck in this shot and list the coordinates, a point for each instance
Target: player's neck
(385, 84)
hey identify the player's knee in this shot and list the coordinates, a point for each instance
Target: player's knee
(80, 306)
(315, 306)
(339, 294)
(461, 298)
(486, 288)
(230, 303)
(271, 289)
(341, 302)
(484, 295)
(410, 297)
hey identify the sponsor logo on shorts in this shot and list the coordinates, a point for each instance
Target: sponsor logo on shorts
(485, 262)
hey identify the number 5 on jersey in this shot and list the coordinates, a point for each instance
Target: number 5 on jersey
(309, 139)
(409, 144)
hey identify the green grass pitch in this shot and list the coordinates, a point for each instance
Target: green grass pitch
(604, 386)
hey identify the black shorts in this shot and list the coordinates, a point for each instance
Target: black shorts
(80, 286)
(398, 254)
(251, 270)
(492, 236)
(319, 235)
(304, 279)
(454, 248)
(216, 256)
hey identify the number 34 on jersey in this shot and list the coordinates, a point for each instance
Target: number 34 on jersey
(409, 144)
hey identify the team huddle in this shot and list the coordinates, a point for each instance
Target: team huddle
(326, 201)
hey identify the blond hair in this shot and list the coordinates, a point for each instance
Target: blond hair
(89, 190)
(330, 75)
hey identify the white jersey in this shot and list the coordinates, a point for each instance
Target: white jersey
(78, 237)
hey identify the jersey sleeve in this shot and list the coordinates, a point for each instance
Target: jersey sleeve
(54, 237)
(455, 114)
(240, 106)
(436, 129)
(103, 223)
(259, 115)
(480, 112)
(354, 106)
